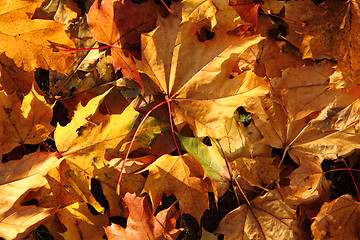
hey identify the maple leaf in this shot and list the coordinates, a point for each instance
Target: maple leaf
(13, 78)
(332, 31)
(338, 219)
(29, 42)
(268, 217)
(142, 224)
(214, 14)
(257, 171)
(23, 121)
(211, 159)
(182, 176)
(199, 87)
(107, 19)
(243, 141)
(307, 182)
(17, 179)
(320, 122)
(91, 140)
(81, 223)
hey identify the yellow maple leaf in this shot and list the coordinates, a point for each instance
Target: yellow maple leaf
(195, 76)
(23, 121)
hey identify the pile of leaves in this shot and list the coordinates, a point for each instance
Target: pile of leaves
(220, 116)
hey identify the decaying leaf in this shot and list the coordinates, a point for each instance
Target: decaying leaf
(338, 219)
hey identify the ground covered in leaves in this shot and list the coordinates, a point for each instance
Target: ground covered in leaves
(192, 119)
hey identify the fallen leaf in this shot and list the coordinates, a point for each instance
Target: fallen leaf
(30, 42)
(182, 176)
(243, 141)
(338, 219)
(142, 224)
(211, 159)
(107, 19)
(319, 122)
(24, 121)
(91, 140)
(211, 14)
(186, 80)
(65, 12)
(81, 223)
(13, 78)
(257, 171)
(268, 217)
(17, 179)
(307, 182)
(332, 31)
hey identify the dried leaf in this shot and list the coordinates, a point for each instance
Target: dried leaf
(30, 42)
(81, 223)
(186, 80)
(17, 178)
(142, 224)
(24, 121)
(338, 219)
(182, 176)
(268, 217)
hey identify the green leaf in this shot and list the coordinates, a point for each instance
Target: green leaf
(210, 157)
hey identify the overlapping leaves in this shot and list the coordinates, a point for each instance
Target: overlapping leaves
(311, 113)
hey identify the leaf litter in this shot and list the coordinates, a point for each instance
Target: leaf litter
(193, 65)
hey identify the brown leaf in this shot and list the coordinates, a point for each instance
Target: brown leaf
(13, 78)
(211, 14)
(268, 217)
(142, 224)
(332, 31)
(182, 176)
(307, 182)
(338, 219)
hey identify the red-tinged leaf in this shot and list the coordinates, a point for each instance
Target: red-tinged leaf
(142, 224)
(114, 23)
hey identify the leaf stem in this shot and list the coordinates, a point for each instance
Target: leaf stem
(352, 177)
(171, 125)
(132, 142)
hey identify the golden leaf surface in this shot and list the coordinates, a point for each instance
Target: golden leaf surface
(194, 75)
(17, 179)
(268, 217)
(182, 176)
(30, 42)
(23, 121)
(315, 119)
(338, 219)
